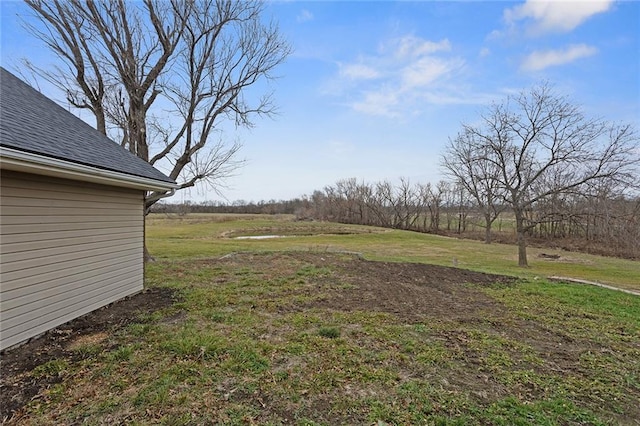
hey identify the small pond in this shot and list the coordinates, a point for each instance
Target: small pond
(258, 237)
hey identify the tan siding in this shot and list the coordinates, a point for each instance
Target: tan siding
(13, 244)
(45, 229)
(41, 324)
(28, 288)
(41, 186)
(66, 248)
(58, 291)
(70, 213)
(58, 307)
(26, 219)
(36, 257)
(12, 279)
(32, 197)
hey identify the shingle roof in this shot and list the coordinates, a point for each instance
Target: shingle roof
(33, 123)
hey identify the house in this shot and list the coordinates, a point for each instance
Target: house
(71, 215)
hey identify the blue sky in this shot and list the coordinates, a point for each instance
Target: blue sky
(373, 90)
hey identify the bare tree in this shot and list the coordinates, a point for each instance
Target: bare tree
(407, 204)
(163, 75)
(543, 145)
(464, 162)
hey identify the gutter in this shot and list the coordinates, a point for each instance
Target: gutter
(20, 161)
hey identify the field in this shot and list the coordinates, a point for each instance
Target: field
(206, 236)
(335, 324)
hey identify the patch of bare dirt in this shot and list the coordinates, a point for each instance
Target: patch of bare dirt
(17, 388)
(410, 291)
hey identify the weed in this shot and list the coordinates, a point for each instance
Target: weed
(55, 367)
(88, 350)
(122, 353)
(190, 343)
(329, 332)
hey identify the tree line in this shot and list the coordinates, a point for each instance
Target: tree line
(290, 207)
(603, 223)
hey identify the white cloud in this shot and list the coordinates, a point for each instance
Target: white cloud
(358, 72)
(540, 60)
(381, 102)
(484, 52)
(555, 16)
(426, 71)
(396, 79)
(453, 96)
(304, 16)
(413, 47)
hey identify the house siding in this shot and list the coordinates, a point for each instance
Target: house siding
(66, 248)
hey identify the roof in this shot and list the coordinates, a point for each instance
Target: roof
(34, 124)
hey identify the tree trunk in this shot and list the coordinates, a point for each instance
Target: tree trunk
(522, 243)
(487, 229)
(138, 129)
(101, 124)
(147, 256)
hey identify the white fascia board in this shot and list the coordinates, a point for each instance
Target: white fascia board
(13, 159)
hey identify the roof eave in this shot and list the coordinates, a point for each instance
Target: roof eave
(13, 159)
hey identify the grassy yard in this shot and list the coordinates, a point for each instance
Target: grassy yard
(203, 236)
(300, 330)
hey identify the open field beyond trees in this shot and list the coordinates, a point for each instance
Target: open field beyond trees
(338, 324)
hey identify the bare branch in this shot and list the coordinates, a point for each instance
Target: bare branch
(191, 62)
